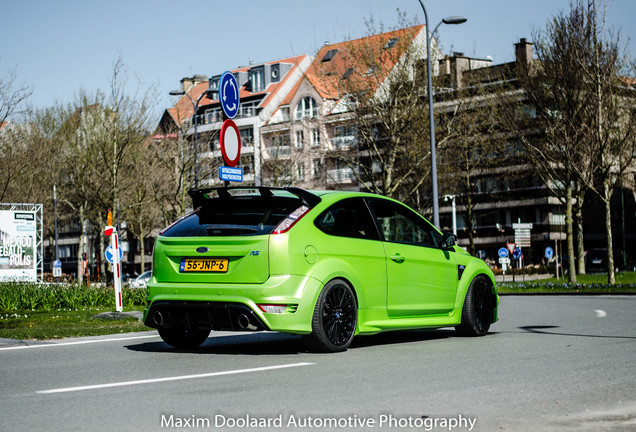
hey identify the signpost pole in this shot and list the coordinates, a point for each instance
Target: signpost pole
(116, 272)
(114, 242)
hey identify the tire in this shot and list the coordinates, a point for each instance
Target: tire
(334, 320)
(479, 307)
(183, 338)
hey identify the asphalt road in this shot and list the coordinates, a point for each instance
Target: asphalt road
(550, 363)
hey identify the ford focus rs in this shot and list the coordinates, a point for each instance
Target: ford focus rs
(327, 265)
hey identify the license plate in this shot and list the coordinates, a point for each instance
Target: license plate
(218, 265)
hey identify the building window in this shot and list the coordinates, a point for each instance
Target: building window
(247, 137)
(391, 43)
(300, 171)
(330, 55)
(284, 112)
(300, 139)
(257, 79)
(315, 138)
(316, 168)
(306, 108)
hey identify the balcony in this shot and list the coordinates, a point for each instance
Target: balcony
(344, 142)
(278, 151)
(341, 175)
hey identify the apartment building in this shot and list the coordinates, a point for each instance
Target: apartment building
(300, 131)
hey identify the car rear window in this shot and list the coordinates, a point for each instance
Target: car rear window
(235, 216)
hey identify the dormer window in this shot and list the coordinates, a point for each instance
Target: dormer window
(306, 108)
(257, 79)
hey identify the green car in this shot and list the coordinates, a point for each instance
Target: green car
(326, 265)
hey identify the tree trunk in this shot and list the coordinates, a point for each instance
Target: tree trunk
(607, 192)
(102, 258)
(142, 253)
(568, 227)
(81, 248)
(580, 246)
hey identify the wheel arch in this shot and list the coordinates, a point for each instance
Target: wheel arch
(472, 270)
(330, 269)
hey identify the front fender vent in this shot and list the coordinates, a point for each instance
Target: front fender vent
(460, 271)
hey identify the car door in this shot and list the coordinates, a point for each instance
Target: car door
(351, 237)
(421, 276)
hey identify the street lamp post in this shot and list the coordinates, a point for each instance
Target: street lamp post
(454, 210)
(448, 20)
(195, 107)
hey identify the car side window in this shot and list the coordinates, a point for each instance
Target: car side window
(348, 218)
(401, 225)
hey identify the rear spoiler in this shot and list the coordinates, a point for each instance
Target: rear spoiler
(199, 196)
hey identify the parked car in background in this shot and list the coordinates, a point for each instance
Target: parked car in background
(141, 281)
(326, 265)
(596, 261)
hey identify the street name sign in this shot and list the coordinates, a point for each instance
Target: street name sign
(231, 174)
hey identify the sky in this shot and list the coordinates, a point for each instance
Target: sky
(59, 47)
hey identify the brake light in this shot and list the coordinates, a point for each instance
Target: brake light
(291, 219)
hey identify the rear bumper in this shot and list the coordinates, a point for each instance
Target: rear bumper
(234, 306)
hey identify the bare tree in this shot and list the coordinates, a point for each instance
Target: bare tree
(613, 110)
(473, 147)
(13, 151)
(376, 86)
(12, 95)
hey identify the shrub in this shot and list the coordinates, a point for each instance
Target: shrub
(31, 296)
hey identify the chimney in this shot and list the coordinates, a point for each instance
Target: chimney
(459, 64)
(523, 52)
(188, 82)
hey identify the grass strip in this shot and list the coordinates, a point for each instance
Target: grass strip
(56, 324)
(589, 283)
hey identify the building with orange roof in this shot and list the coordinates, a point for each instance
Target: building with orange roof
(262, 88)
(313, 122)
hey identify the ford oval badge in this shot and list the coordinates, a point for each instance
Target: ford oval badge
(202, 249)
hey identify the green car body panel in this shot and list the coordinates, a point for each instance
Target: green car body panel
(396, 286)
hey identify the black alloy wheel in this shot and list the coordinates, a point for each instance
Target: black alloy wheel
(478, 311)
(335, 318)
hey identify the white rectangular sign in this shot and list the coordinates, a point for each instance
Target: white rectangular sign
(17, 245)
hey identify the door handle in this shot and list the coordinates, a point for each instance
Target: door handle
(397, 258)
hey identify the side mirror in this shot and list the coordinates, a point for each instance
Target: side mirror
(449, 240)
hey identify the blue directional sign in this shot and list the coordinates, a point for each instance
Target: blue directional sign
(549, 253)
(57, 264)
(503, 252)
(110, 254)
(516, 254)
(229, 94)
(231, 174)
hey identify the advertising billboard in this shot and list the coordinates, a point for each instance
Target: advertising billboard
(18, 245)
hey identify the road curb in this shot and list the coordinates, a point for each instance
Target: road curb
(627, 293)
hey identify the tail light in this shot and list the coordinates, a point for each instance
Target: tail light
(290, 220)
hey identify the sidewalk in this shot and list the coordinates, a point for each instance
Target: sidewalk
(520, 278)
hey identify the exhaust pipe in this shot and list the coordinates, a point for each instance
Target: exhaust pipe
(158, 318)
(245, 323)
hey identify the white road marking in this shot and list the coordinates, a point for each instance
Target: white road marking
(600, 313)
(175, 378)
(76, 342)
